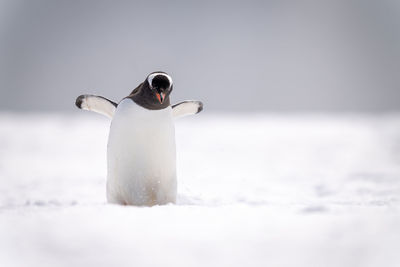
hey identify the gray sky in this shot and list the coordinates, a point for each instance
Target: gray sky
(235, 56)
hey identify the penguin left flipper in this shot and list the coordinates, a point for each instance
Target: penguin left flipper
(97, 104)
(187, 107)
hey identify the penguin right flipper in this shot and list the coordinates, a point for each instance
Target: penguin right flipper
(97, 104)
(187, 107)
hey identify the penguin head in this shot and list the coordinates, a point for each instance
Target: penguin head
(160, 85)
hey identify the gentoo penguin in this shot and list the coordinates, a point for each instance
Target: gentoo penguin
(141, 154)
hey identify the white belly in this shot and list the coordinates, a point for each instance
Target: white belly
(141, 156)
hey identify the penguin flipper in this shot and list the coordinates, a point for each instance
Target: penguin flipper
(187, 107)
(97, 104)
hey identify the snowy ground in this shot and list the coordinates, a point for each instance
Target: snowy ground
(254, 190)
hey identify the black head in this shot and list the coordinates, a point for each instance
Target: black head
(154, 92)
(160, 84)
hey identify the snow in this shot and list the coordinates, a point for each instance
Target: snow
(253, 190)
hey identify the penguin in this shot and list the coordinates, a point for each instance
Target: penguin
(141, 150)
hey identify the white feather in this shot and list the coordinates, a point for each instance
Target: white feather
(185, 108)
(141, 156)
(98, 104)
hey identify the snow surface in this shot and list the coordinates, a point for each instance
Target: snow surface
(254, 190)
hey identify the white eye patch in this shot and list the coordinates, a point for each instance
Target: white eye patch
(151, 77)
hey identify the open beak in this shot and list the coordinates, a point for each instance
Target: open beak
(160, 97)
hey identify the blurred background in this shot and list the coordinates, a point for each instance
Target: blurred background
(234, 55)
(308, 175)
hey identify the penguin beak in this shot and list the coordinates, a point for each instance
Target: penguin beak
(160, 97)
